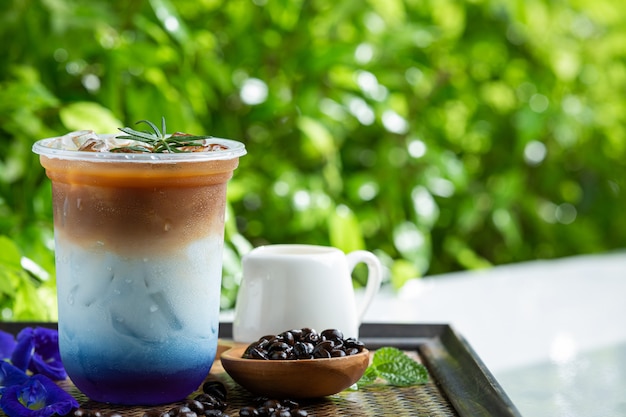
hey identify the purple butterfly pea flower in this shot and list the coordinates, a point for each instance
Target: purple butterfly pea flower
(38, 351)
(38, 396)
(7, 344)
(10, 375)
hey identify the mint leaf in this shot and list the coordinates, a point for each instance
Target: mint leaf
(369, 377)
(403, 373)
(395, 367)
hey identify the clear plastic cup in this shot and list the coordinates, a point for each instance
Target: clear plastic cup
(138, 247)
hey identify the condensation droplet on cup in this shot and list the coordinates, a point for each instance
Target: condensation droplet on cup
(168, 226)
(70, 296)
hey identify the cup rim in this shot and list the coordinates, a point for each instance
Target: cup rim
(234, 150)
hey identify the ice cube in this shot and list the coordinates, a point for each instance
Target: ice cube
(73, 140)
(166, 310)
(94, 145)
(86, 292)
(147, 319)
(203, 145)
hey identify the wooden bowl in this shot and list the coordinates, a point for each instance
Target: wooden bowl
(298, 378)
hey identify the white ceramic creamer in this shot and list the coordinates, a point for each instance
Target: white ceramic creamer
(293, 286)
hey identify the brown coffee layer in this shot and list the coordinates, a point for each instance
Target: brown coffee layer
(134, 211)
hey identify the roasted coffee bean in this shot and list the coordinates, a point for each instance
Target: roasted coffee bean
(298, 412)
(337, 344)
(195, 406)
(278, 355)
(180, 411)
(275, 404)
(283, 412)
(204, 397)
(321, 354)
(311, 337)
(219, 404)
(215, 413)
(297, 334)
(263, 343)
(211, 401)
(337, 353)
(215, 388)
(326, 344)
(307, 330)
(248, 412)
(255, 352)
(287, 337)
(267, 339)
(265, 411)
(351, 351)
(303, 350)
(354, 343)
(331, 334)
(278, 345)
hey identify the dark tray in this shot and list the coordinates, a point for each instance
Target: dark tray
(460, 383)
(464, 382)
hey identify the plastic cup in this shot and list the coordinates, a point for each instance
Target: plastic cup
(138, 249)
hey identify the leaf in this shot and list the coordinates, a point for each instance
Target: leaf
(344, 230)
(395, 367)
(403, 271)
(402, 372)
(10, 255)
(27, 304)
(168, 16)
(369, 377)
(7, 277)
(320, 141)
(89, 115)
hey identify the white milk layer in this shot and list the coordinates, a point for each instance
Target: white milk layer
(150, 309)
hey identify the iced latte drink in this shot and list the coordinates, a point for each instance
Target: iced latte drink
(139, 238)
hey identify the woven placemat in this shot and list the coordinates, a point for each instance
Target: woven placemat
(374, 401)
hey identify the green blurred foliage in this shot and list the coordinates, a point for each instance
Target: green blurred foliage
(444, 135)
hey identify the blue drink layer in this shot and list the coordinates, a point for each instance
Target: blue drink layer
(138, 330)
(113, 376)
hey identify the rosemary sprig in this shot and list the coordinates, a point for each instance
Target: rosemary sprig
(157, 141)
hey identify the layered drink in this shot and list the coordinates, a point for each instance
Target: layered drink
(139, 238)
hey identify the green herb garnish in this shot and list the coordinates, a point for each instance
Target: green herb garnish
(395, 367)
(157, 141)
